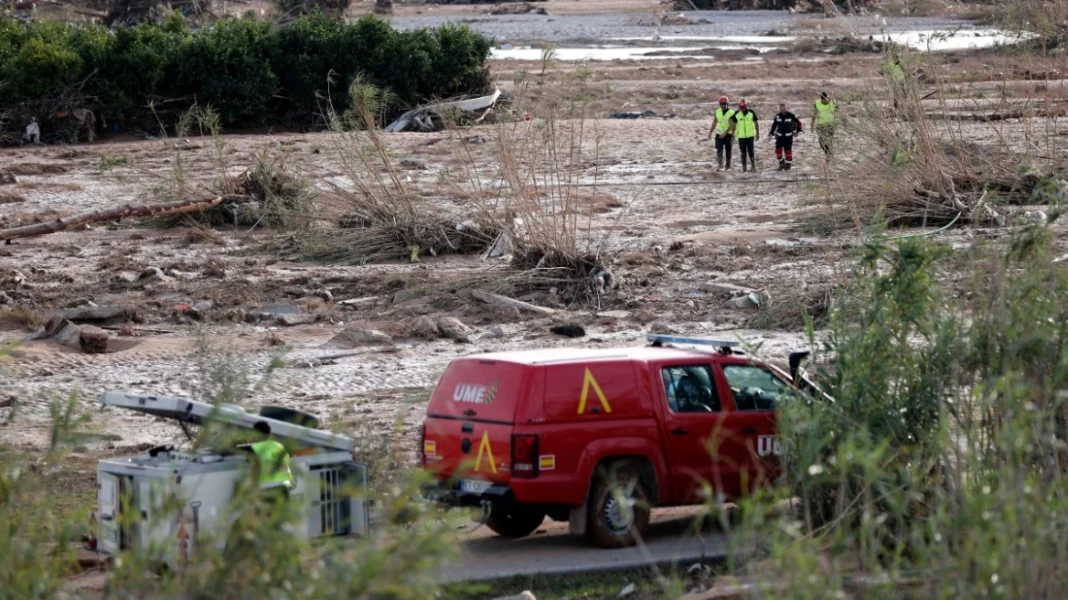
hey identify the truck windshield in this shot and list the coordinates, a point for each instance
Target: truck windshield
(754, 388)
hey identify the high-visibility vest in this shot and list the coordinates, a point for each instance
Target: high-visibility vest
(897, 74)
(723, 120)
(825, 113)
(746, 127)
(273, 463)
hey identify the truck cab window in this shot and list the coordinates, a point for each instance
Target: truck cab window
(754, 388)
(690, 389)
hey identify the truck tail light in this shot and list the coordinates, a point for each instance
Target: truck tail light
(524, 456)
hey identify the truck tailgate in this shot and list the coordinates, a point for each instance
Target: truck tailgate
(469, 449)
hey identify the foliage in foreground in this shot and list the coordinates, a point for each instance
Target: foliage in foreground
(250, 72)
(940, 468)
(260, 558)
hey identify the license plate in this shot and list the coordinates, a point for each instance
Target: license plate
(474, 486)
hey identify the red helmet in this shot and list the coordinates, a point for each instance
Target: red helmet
(723, 100)
(742, 103)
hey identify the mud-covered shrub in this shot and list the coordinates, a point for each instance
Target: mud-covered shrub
(250, 72)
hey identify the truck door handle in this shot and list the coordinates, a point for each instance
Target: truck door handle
(679, 431)
(749, 430)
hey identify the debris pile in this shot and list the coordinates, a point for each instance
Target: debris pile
(517, 9)
(436, 116)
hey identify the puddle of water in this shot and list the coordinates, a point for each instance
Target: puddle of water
(604, 53)
(729, 39)
(946, 40)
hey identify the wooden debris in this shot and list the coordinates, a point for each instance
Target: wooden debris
(499, 300)
(111, 214)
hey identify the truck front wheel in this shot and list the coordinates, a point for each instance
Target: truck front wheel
(618, 510)
(516, 521)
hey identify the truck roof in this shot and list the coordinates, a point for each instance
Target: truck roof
(573, 355)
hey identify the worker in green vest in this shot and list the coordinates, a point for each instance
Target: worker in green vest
(895, 73)
(721, 125)
(270, 465)
(744, 127)
(823, 122)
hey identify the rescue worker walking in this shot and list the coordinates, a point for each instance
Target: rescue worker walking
(892, 70)
(744, 127)
(823, 122)
(270, 466)
(721, 127)
(783, 127)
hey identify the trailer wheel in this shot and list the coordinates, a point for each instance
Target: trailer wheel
(515, 522)
(618, 509)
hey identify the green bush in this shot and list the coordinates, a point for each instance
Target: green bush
(250, 72)
(938, 469)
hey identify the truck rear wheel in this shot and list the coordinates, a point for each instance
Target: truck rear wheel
(618, 510)
(515, 522)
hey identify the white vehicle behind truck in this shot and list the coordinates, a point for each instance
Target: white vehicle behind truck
(327, 486)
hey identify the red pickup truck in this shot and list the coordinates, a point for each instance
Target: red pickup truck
(598, 437)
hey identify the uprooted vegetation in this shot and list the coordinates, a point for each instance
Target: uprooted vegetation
(531, 204)
(250, 72)
(916, 167)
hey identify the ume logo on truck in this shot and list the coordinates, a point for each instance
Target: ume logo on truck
(475, 394)
(769, 444)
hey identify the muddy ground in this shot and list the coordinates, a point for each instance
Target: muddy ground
(672, 228)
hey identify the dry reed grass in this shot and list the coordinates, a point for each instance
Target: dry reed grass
(914, 167)
(534, 200)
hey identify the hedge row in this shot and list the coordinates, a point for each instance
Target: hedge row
(251, 72)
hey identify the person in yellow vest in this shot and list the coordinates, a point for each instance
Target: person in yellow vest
(270, 465)
(721, 125)
(823, 122)
(744, 127)
(895, 73)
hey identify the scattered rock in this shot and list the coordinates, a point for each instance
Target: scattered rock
(354, 337)
(201, 305)
(750, 300)
(324, 294)
(454, 329)
(61, 331)
(292, 320)
(5, 299)
(661, 328)
(476, 139)
(152, 274)
(614, 314)
(570, 330)
(124, 277)
(273, 311)
(414, 163)
(7, 403)
(495, 332)
(403, 296)
(97, 313)
(8, 178)
(628, 590)
(15, 280)
(425, 328)
(712, 287)
(93, 340)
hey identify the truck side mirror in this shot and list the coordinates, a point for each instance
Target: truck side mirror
(795, 363)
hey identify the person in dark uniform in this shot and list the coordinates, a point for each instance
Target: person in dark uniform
(784, 127)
